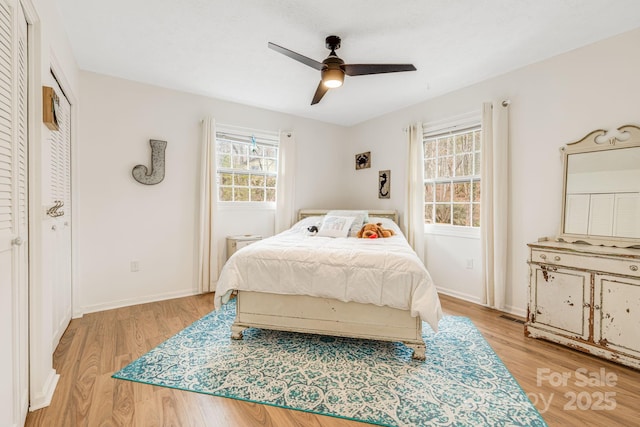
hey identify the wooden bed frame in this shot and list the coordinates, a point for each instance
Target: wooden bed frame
(324, 316)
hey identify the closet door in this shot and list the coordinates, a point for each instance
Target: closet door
(21, 243)
(8, 227)
(57, 189)
(14, 308)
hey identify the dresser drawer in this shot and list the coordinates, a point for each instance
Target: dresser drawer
(235, 243)
(590, 262)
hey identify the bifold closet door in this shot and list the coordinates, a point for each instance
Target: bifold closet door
(14, 281)
(57, 228)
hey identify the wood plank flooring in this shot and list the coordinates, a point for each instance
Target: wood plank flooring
(96, 345)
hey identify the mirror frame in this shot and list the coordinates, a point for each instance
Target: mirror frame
(598, 140)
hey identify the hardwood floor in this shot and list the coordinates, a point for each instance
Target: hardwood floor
(96, 345)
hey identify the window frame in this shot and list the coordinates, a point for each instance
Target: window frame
(461, 125)
(246, 137)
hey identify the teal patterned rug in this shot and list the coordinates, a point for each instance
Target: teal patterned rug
(462, 382)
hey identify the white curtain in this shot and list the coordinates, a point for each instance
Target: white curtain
(493, 201)
(210, 252)
(414, 198)
(285, 187)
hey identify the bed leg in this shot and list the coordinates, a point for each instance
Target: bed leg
(419, 351)
(236, 332)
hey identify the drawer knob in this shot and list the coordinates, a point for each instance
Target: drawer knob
(543, 256)
(557, 258)
(633, 267)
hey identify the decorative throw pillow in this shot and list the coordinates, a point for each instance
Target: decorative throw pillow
(335, 226)
(303, 224)
(360, 217)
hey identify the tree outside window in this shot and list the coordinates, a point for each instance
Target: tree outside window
(247, 168)
(452, 178)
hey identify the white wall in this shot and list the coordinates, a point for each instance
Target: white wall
(122, 220)
(553, 102)
(454, 264)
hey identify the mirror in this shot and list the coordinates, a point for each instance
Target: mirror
(601, 191)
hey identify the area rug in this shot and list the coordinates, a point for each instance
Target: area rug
(461, 383)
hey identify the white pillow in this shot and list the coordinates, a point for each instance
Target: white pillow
(360, 217)
(335, 226)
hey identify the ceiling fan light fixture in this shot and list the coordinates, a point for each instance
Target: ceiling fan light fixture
(333, 69)
(332, 77)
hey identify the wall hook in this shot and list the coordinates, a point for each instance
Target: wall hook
(53, 211)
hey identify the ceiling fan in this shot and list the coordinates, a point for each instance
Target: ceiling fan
(333, 69)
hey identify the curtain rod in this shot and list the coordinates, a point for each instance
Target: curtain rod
(504, 103)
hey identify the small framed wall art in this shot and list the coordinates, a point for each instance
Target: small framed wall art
(384, 184)
(363, 160)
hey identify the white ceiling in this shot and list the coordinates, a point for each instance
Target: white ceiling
(219, 48)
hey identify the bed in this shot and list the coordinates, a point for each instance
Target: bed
(362, 288)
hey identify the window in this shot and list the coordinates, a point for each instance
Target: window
(247, 165)
(452, 177)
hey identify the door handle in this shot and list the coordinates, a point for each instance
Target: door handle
(17, 241)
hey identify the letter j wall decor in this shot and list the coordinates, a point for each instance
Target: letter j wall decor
(156, 174)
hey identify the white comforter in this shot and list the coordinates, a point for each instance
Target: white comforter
(384, 272)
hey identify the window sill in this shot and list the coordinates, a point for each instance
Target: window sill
(452, 231)
(246, 206)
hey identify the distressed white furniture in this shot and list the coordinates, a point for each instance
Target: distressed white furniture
(299, 313)
(324, 316)
(581, 294)
(238, 242)
(586, 297)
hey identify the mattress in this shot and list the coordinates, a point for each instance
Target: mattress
(383, 271)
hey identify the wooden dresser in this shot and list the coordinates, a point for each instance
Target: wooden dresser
(586, 297)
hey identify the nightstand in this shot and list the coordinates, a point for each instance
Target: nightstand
(238, 242)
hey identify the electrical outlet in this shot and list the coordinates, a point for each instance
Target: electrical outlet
(470, 263)
(135, 266)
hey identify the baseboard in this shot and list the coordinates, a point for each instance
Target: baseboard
(459, 295)
(42, 398)
(135, 301)
(516, 311)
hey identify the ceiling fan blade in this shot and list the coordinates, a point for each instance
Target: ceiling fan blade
(294, 55)
(322, 89)
(364, 69)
